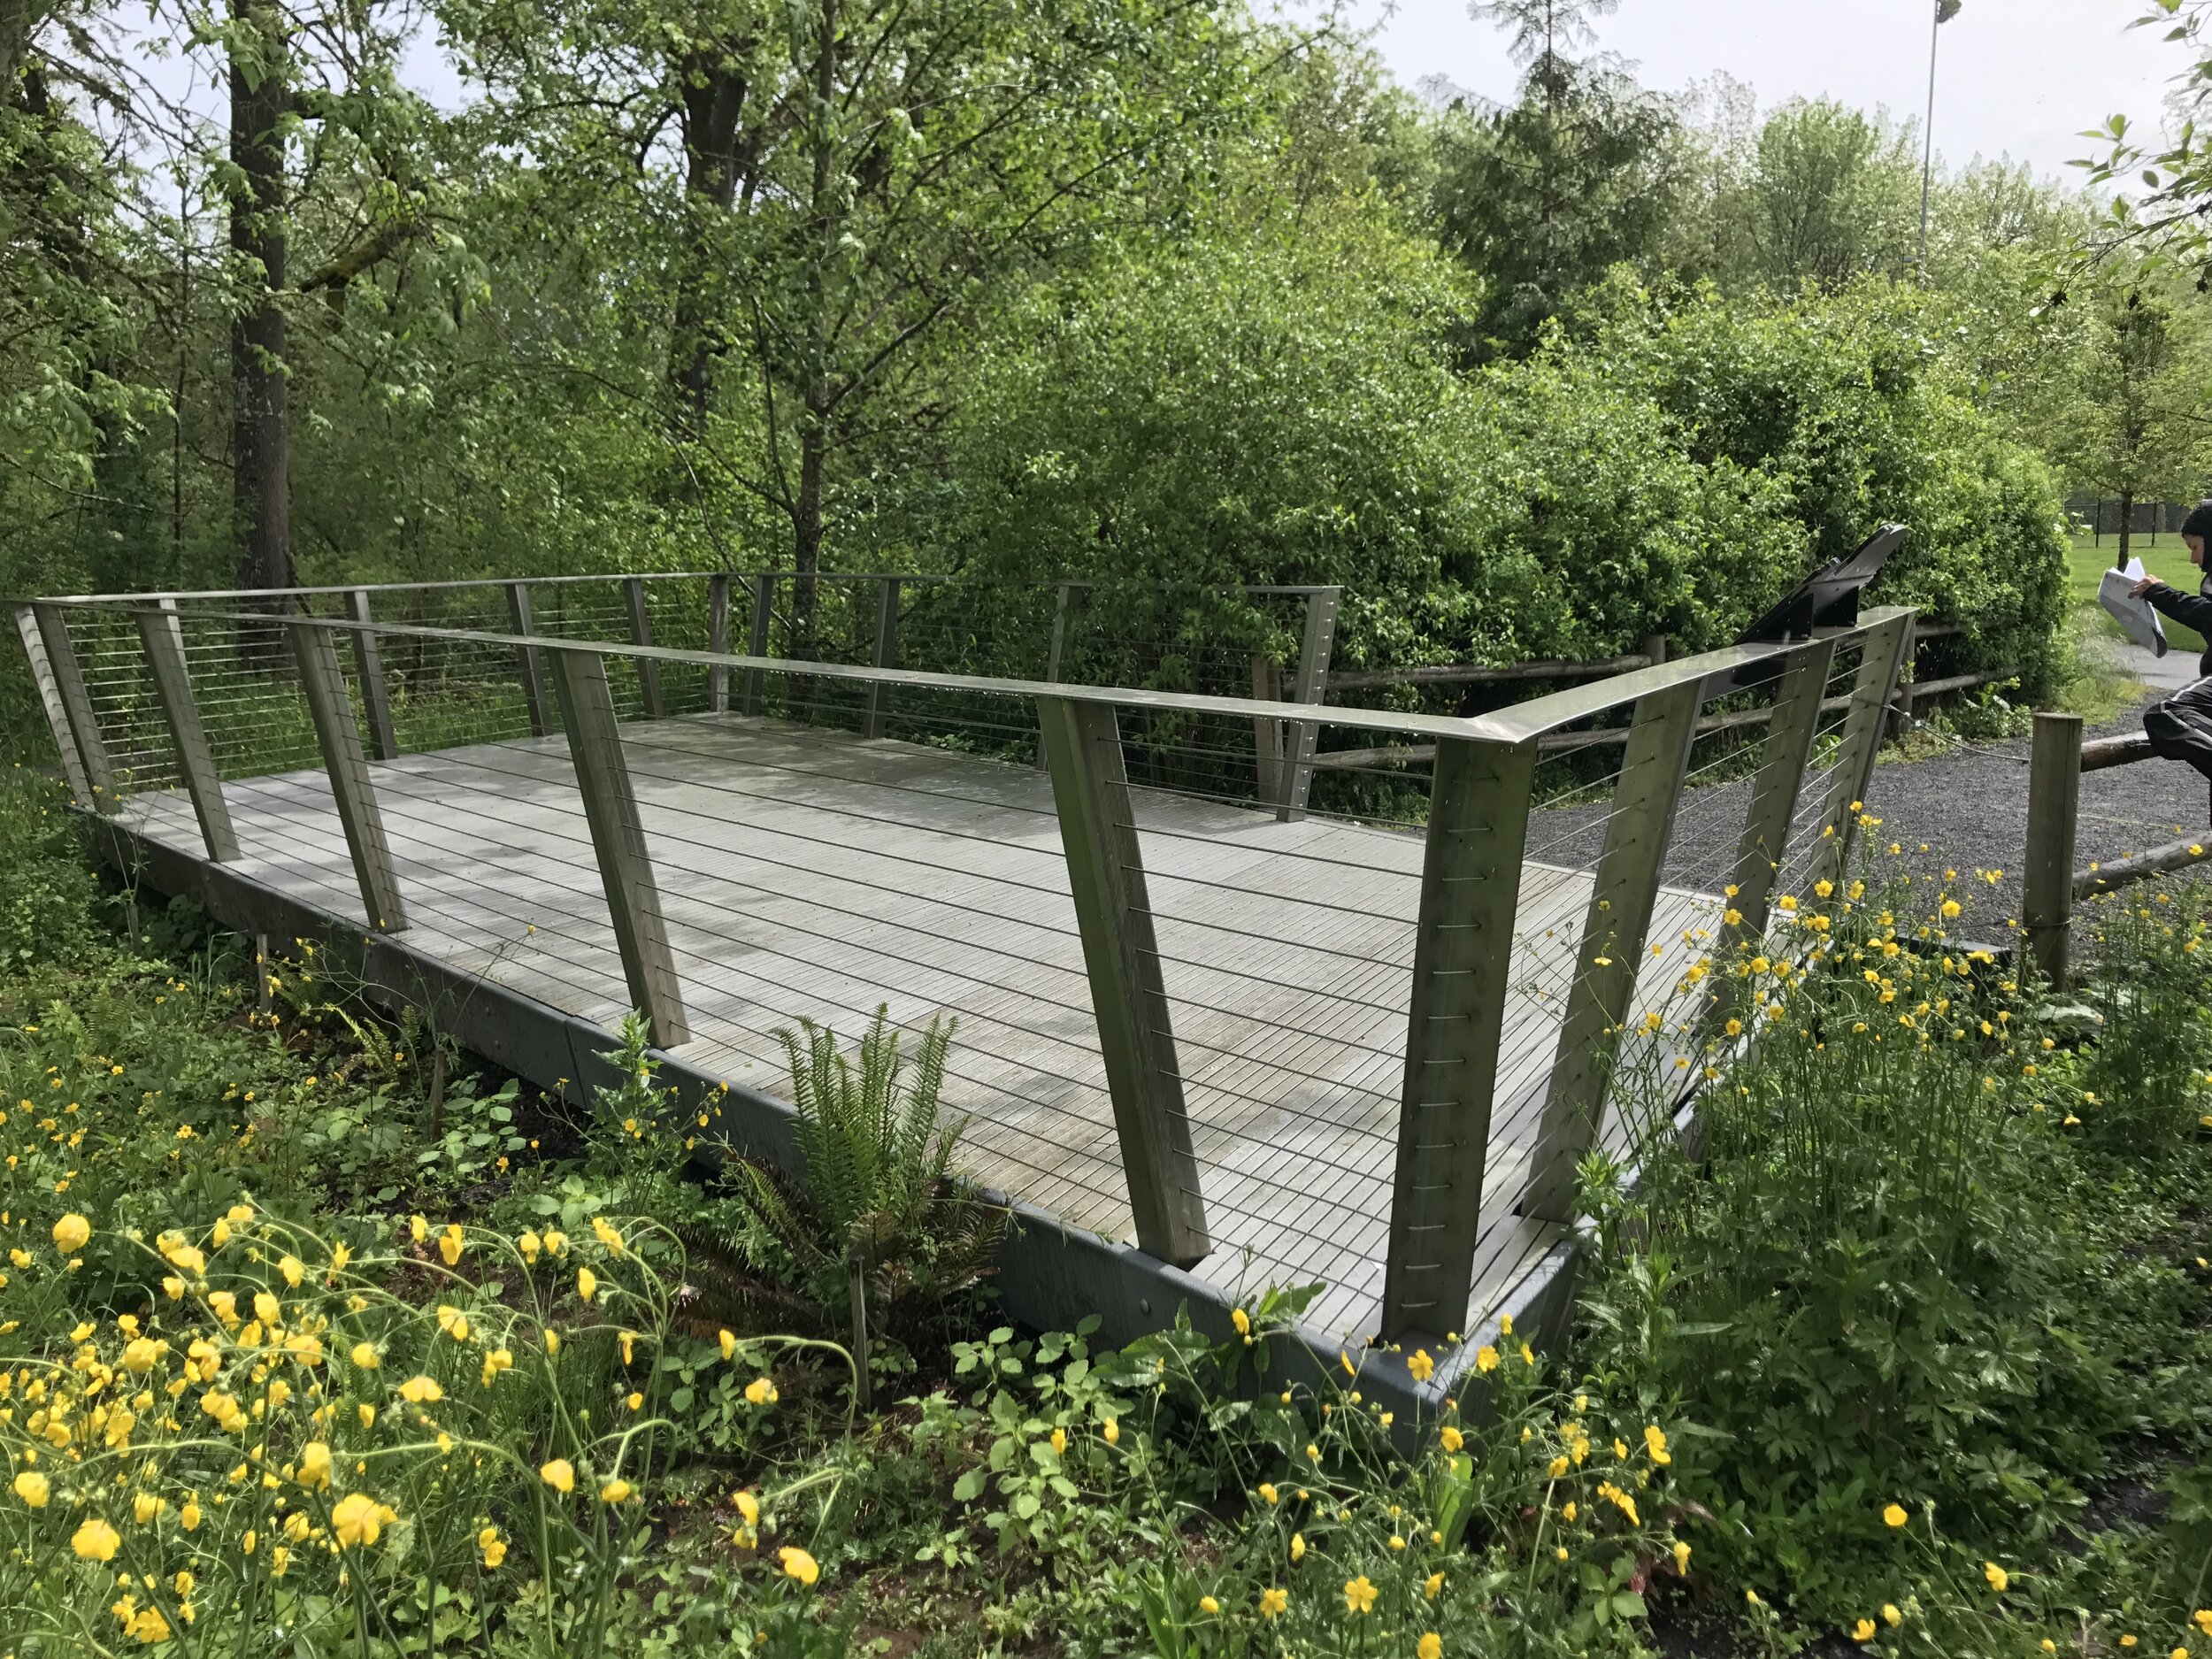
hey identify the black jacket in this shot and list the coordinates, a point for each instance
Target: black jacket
(2192, 611)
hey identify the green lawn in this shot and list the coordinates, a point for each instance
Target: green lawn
(2168, 561)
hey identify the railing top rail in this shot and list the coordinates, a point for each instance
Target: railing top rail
(608, 576)
(1715, 671)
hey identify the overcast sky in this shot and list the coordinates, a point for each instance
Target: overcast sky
(2019, 78)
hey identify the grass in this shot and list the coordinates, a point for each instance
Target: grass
(2087, 561)
(298, 1340)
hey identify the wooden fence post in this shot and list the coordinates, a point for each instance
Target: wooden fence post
(887, 655)
(1267, 732)
(1881, 658)
(528, 660)
(618, 839)
(1136, 1038)
(324, 682)
(757, 640)
(719, 640)
(50, 700)
(1062, 603)
(162, 635)
(649, 672)
(2054, 809)
(1311, 686)
(376, 701)
(1463, 956)
(1611, 952)
(77, 712)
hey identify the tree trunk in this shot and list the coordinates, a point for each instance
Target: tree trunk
(806, 513)
(714, 100)
(2127, 515)
(260, 415)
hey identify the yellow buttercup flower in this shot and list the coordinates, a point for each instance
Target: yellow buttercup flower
(1421, 1366)
(70, 1233)
(1359, 1595)
(616, 1491)
(1894, 1516)
(1112, 1431)
(1434, 1587)
(31, 1487)
(1272, 1601)
(421, 1391)
(1863, 1631)
(587, 1283)
(1297, 1545)
(357, 1519)
(1999, 1578)
(1430, 1647)
(95, 1540)
(798, 1564)
(1451, 1438)
(1486, 1358)
(559, 1474)
(493, 1546)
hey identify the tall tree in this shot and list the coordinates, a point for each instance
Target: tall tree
(2136, 434)
(261, 112)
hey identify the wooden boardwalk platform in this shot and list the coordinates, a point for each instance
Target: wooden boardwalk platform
(813, 873)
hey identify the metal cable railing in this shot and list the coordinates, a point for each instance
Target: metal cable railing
(1360, 1035)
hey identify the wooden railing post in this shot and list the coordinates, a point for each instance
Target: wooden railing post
(719, 640)
(649, 672)
(887, 655)
(1267, 731)
(618, 839)
(757, 639)
(49, 699)
(324, 682)
(1311, 686)
(1780, 780)
(1611, 952)
(2054, 809)
(1462, 954)
(1062, 602)
(76, 705)
(528, 662)
(376, 699)
(1136, 1038)
(162, 635)
(1881, 658)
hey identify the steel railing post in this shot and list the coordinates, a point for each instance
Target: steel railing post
(887, 655)
(649, 672)
(162, 635)
(1310, 687)
(1611, 954)
(77, 712)
(337, 734)
(1136, 1039)
(376, 700)
(618, 839)
(757, 637)
(1463, 956)
(1881, 659)
(73, 767)
(718, 642)
(529, 663)
(2054, 811)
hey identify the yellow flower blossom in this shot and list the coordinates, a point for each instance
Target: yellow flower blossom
(798, 1564)
(493, 1548)
(1430, 1647)
(1274, 1602)
(559, 1474)
(1359, 1595)
(357, 1519)
(95, 1540)
(70, 1234)
(31, 1487)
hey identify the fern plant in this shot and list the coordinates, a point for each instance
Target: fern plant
(880, 1219)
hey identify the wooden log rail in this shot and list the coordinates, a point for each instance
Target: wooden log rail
(2057, 759)
(1465, 925)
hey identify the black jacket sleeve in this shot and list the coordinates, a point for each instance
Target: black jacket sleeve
(2192, 611)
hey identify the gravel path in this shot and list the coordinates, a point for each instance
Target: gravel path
(1970, 807)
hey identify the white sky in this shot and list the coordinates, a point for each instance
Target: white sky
(2017, 78)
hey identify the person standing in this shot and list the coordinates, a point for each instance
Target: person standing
(2180, 726)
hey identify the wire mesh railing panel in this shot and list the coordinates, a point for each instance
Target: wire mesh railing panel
(245, 681)
(120, 688)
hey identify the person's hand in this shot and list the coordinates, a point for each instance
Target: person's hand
(2143, 587)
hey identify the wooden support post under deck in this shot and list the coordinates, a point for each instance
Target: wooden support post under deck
(887, 655)
(757, 640)
(76, 704)
(1611, 953)
(50, 700)
(2054, 810)
(162, 635)
(529, 661)
(331, 705)
(719, 640)
(1462, 954)
(1121, 955)
(649, 672)
(618, 839)
(1311, 686)
(376, 698)
(1881, 659)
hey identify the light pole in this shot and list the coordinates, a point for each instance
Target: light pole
(1945, 10)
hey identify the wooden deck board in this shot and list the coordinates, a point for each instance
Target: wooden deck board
(807, 874)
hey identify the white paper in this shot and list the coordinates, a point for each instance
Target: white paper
(2135, 616)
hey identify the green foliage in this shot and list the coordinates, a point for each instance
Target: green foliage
(879, 1197)
(2148, 1076)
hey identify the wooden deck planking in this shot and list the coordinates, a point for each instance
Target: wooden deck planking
(814, 873)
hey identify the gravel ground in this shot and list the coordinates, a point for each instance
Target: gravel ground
(1970, 807)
